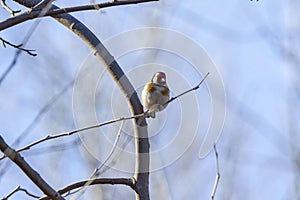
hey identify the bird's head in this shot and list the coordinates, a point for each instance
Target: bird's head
(159, 78)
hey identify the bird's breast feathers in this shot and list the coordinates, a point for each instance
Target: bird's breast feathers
(156, 88)
(154, 94)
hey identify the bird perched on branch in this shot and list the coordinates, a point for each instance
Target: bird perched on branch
(155, 94)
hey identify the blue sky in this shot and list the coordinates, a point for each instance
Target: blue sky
(242, 38)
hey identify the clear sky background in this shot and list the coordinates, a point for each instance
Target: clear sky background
(254, 45)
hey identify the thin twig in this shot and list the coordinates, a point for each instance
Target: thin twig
(190, 90)
(213, 193)
(11, 193)
(112, 181)
(28, 193)
(17, 189)
(8, 9)
(19, 46)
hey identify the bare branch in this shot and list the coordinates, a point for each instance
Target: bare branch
(19, 46)
(17, 189)
(95, 6)
(190, 90)
(213, 193)
(29, 171)
(8, 9)
(112, 181)
(54, 10)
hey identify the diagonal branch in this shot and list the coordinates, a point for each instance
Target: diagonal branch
(36, 12)
(190, 90)
(29, 171)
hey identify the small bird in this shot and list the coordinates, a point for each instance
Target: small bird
(155, 94)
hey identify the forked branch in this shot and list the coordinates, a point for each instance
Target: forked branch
(19, 46)
(8, 9)
(18, 189)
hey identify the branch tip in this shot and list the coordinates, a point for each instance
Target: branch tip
(18, 46)
(218, 176)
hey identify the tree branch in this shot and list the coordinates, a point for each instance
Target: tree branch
(5, 42)
(190, 90)
(29, 171)
(54, 10)
(112, 181)
(8, 9)
(95, 6)
(17, 189)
